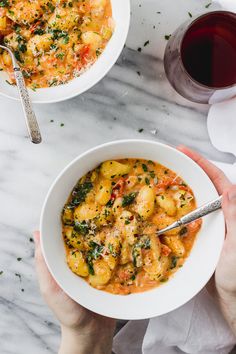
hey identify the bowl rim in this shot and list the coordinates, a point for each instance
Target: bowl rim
(89, 84)
(181, 302)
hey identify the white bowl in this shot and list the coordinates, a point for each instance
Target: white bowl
(121, 16)
(185, 283)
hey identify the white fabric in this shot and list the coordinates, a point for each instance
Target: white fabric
(222, 126)
(229, 5)
(195, 328)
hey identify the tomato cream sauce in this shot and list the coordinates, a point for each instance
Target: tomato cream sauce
(54, 41)
(110, 221)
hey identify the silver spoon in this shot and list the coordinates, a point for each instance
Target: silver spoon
(194, 215)
(30, 118)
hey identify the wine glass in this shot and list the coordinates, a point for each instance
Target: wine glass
(200, 58)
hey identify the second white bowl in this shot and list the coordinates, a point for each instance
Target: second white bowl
(121, 16)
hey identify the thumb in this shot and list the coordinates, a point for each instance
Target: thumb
(229, 209)
(46, 282)
(36, 235)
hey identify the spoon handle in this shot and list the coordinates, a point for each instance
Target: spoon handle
(202, 211)
(31, 121)
(194, 215)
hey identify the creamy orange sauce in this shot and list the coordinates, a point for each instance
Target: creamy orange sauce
(110, 220)
(54, 40)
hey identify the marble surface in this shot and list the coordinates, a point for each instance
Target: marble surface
(135, 95)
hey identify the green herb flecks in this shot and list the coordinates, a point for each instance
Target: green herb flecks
(143, 243)
(174, 261)
(94, 253)
(4, 3)
(80, 192)
(183, 231)
(145, 169)
(18, 275)
(128, 199)
(81, 227)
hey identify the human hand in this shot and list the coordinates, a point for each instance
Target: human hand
(223, 284)
(83, 332)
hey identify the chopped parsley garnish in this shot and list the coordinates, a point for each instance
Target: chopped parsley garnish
(143, 243)
(80, 192)
(146, 243)
(96, 250)
(152, 174)
(4, 3)
(98, 52)
(18, 275)
(110, 203)
(9, 83)
(51, 6)
(90, 266)
(26, 74)
(53, 82)
(57, 33)
(163, 280)
(22, 47)
(81, 227)
(183, 231)
(66, 39)
(144, 167)
(39, 31)
(60, 56)
(93, 254)
(111, 250)
(17, 55)
(128, 199)
(174, 261)
(110, 247)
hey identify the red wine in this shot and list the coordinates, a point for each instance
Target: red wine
(208, 50)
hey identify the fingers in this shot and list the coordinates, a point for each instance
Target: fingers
(219, 179)
(229, 209)
(46, 281)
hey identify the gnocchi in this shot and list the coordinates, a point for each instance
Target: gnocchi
(54, 41)
(110, 221)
